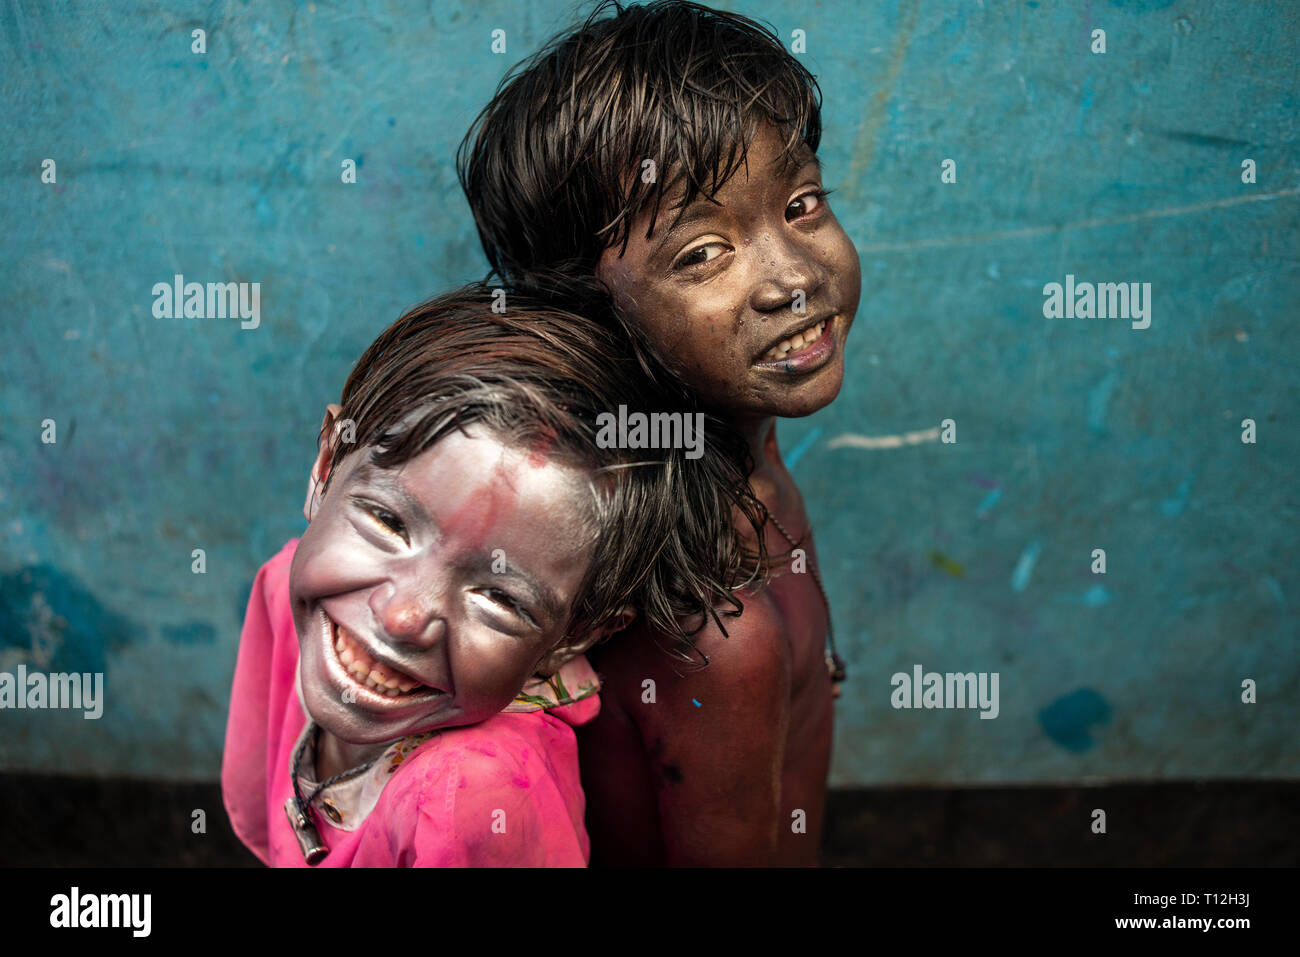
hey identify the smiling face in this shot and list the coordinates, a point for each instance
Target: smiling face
(426, 596)
(717, 291)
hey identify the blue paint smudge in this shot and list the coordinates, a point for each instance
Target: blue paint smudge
(1094, 597)
(1173, 507)
(1024, 569)
(263, 210)
(1067, 719)
(1085, 103)
(1099, 400)
(803, 446)
(1276, 589)
(989, 501)
(43, 603)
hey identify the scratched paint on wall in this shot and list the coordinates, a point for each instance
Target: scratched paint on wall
(973, 555)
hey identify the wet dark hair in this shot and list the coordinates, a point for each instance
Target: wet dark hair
(552, 167)
(537, 377)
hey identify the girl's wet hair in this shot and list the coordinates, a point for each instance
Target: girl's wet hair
(537, 377)
(553, 166)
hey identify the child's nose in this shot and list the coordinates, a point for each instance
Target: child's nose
(786, 267)
(410, 617)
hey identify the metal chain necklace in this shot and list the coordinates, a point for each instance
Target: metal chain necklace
(298, 810)
(834, 663)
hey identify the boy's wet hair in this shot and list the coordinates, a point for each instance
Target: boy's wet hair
(553, 166)
(536, 377)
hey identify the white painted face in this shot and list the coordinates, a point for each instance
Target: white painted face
(404, 624)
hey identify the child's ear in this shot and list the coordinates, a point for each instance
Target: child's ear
(555, 659)
(324, 458)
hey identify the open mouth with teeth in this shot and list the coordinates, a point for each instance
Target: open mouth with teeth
(797, 342)
(369, 673)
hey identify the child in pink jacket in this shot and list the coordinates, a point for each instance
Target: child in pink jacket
(411, 669)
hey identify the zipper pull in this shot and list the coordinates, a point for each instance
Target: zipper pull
(304, 829)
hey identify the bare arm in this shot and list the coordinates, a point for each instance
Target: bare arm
(716, 765)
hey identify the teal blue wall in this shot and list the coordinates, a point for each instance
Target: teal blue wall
(1072, 434)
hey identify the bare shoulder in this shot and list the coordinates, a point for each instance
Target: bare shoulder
(712, 741)
(748, 666)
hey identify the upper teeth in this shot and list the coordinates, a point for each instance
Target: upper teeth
(796, 341)
(366, 670)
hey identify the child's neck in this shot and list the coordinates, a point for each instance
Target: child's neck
(769, 470)
(334, 755)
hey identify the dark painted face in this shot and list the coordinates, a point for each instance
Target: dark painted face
(719, 292)
(426, 596)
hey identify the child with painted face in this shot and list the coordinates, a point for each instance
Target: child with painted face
(411, 670)
(660, 162)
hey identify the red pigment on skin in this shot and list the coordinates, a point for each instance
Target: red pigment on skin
(483, 508)
(537, 455)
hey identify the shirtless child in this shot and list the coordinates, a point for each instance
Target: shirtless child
(662, 159)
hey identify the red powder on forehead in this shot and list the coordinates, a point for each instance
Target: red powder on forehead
(483, 509)
(537, 454)
(498, 498)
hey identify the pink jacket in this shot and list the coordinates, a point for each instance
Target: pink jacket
(504, 792)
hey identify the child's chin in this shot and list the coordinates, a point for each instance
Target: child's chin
(349, 731)
(811, 396)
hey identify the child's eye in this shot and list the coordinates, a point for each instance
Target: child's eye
(808, 203)
(387, 519)
(506, 600)
(693, 258)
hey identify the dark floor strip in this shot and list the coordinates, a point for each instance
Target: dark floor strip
(48, 820)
